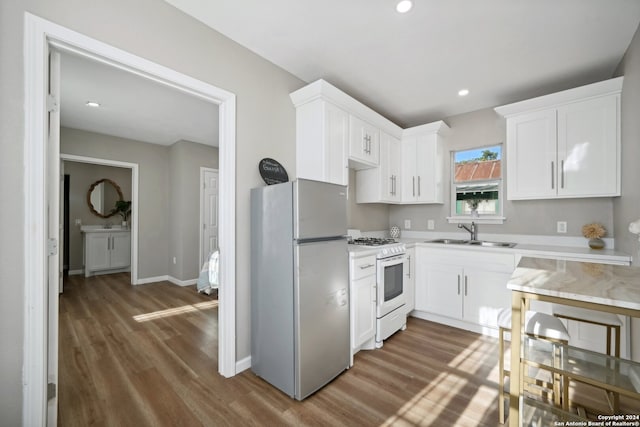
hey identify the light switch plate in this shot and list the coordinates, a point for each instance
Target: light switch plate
(431, 225)
(407, 224)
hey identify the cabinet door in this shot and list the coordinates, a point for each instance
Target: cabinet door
(531, 156)
(485, 293)
(364, 143)
(98, 251)
(408, 162)
(443, 290)
(394, 168)
(336, 140)
(429, 169)
(120, 250)
(364, 310)
(588, 148)
(322, 134)
(410, 280)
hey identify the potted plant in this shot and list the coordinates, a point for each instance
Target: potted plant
(594, 232)
(123, 208)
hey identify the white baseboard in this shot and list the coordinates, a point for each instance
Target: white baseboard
(151, 280)
(182, 282)
(472, 327)
(76, 272)
(243, 364)
(166, 279)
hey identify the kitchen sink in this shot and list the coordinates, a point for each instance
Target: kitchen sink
(472, 243)
(494, 244)
(449, 241)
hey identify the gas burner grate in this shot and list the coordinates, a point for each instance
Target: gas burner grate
(373, 241)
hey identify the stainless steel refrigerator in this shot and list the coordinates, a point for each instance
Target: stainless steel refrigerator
(299, 285)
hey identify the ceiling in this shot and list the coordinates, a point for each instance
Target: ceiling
(410, 67)
(131, 106)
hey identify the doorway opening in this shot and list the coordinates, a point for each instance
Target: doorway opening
(133, 191)
(41, 239)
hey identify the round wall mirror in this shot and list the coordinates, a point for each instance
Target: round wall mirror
(102, 197)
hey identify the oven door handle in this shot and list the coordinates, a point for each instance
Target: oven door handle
(394, 258)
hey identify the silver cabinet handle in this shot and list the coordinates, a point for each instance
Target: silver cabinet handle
(409, 269)
(414, 186)
(108, 243)
(458, 284)
(391, 184)
(419, 192)
(561, 173)
(364, 267)
(465, 285)
(552, 177)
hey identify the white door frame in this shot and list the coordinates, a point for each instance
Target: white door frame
(39, 34)
(134, 200)
(203, 169)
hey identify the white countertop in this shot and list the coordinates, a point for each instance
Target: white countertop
(101, 229)
(613, 285)
(537, 247)
(569, 253)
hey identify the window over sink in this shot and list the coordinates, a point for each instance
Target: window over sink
(476, 185)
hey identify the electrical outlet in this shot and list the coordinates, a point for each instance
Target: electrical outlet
(407, 224)
(431, 225)
(561, 226)
(78, 221)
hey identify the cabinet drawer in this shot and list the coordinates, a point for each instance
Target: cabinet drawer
(363, 267)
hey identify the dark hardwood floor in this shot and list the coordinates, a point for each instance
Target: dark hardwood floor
(147, 356)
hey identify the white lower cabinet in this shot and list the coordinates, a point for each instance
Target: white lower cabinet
(106, 251)
(362, 285)
(465, 289)
(410, 282)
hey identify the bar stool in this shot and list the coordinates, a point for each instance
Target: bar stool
(609, 321)
(538, 325)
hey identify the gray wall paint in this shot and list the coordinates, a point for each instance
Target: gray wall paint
(265, 128)
(627, 208)
(365, 216)
(169, 198)
(81, 176)
(185, 160)
(536, 217)
(153, 189)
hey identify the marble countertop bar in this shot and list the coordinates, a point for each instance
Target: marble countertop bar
(613, 285)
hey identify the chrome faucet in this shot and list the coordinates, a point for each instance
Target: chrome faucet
(473, 230)
(108, 225)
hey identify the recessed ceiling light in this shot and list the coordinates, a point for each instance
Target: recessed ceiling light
(463, 92)
(404, 6)
(93, 104)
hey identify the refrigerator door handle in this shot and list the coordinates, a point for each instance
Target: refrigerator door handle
(320, 239)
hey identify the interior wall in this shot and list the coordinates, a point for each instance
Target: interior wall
(185, 160)
(365, 216)
(265, 128)
(627, 208)
(81, 176)
(153, 189)
(534, 217)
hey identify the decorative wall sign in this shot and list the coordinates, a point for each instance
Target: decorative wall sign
(272, 172)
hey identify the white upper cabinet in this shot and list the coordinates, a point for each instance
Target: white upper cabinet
(381, 184)
(364, 144)
(423, 163)
(322, 134)
(335, 132)
(565, 145)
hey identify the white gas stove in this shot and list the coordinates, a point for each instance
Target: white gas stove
(391, 270)
(387, 247)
